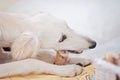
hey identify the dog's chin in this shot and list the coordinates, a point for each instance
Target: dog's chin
(71, 51)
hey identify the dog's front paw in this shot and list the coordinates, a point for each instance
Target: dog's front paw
(72, 70)
(78, 70)
(84, 63)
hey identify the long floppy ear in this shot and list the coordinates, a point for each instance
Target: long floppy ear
(25, 46)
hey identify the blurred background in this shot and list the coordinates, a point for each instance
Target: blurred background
(97, 19)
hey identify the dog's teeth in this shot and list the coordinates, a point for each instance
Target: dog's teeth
(64, 51)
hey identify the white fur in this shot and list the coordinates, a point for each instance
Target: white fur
(29, 35)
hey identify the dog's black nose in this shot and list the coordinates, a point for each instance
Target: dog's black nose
(93, 45)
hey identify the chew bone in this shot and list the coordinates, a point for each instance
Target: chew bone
(61, 58)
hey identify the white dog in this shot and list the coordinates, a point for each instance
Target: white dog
(28, 36)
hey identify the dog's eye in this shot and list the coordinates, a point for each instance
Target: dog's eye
(6, 49)
(63, 37)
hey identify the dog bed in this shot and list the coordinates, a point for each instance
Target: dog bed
(87, 74)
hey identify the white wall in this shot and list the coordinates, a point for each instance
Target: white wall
(4, 4)
(99, 19)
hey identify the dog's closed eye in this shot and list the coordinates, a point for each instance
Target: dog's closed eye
(63, 37)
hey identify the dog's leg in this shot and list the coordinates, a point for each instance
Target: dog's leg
(46, 55)
(49, 56)
(25, 46)
(36, 66)
(80, 61)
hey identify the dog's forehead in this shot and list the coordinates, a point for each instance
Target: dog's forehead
(47, 17)
(51, 21)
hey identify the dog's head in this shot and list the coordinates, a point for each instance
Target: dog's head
(57, 35)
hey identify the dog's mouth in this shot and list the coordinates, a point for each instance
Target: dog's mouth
(72, 51)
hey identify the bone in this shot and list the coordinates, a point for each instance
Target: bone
(61, 59)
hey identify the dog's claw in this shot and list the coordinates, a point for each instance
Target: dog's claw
(80, 64)
(83, 65)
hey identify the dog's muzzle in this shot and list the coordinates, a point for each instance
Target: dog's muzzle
(71, 51)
